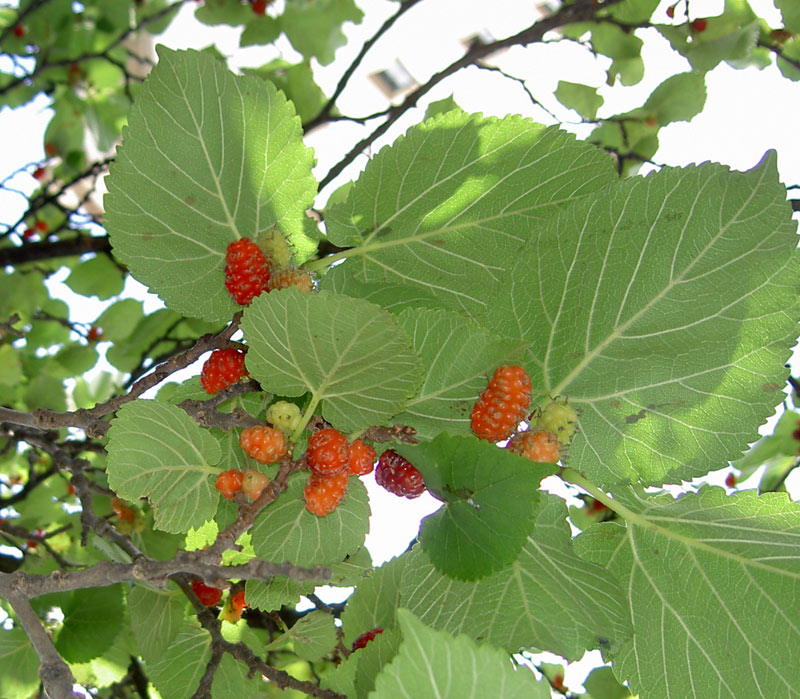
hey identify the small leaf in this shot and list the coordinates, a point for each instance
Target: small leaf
(582, 98)
(98, 276)
(313, 636)
(435, 664)
(489, 496)
(679, 98)
(177, 672)
(314, 28)
(157, 451)
(156, 618)
(17, 652)
(275, 593)
(92, 619)
(287, 531)
(344, 351)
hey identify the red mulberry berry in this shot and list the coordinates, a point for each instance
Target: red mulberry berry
(366, 637)
(207, 595)
(398, 475)
(222, 368)
(362, 458)
(699, 25)
(263, 443)
(328, 452)
(324, 493)
(246, 271)
(502, 405)
(730, 480)
(229, 482)
(537, 445)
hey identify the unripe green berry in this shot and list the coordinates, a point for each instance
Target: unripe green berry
(284, 416)
(558, 417)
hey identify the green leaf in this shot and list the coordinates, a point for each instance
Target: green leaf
(601, 684)
(45, 391)
(375, 602)
(10, 367)
(312, 637)
(119, 319)
(98, 276)
(260, 31)
(458, 356)
(670, 365)
(435, 664)
(287, 531)
(442, 106)
(781, 443)
(790, 11)
(215, 12)
(446, 208)
(679, 98)
(92, 620)
(489, 497)
(157, 451)
(345, 352)
(547, 599)
(211, 180)
(314, 27)
(582, 98)
(713, 583)
(791, 52)
(177, 672)
(17, 652)
(275, 593)
(633, 11)
(156, 618)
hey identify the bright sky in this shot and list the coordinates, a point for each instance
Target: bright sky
(747, 112)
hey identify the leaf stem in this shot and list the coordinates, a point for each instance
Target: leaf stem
(571, 476)
(312, 406)
(323, 262)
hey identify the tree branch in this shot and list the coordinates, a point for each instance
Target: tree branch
(324, 115)
(567, 14)
(54, 672)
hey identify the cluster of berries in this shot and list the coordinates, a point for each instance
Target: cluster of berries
(266, 445)
(503, 405)
(248, 273)
(332, 461)
(211, 596)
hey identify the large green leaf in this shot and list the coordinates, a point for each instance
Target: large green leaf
(489, 497)
(346, 352)
(434, 664)
(445, 209)
(287, 531)
(547, 599)
(157, 451)
(666, 310)
(714, 584)
(458, 356)
(207, 158)
(92, 619)
(156, 618)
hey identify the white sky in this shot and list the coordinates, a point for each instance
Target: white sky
(747, 112)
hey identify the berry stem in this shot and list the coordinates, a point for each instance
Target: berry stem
(312, 406)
